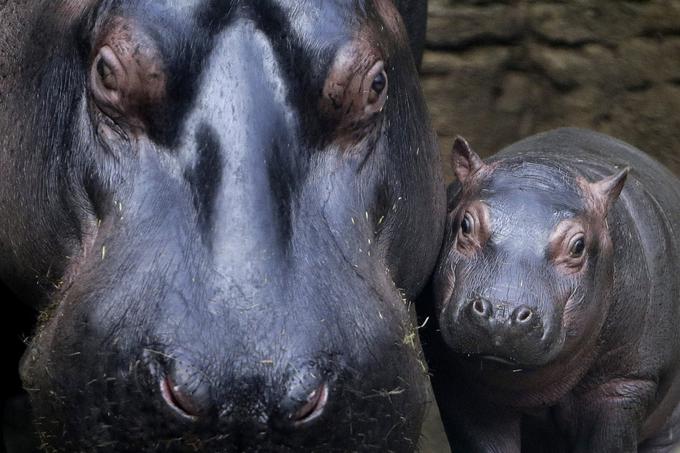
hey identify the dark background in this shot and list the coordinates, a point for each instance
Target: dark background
(499, 70)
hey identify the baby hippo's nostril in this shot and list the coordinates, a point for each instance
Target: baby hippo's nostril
(313, 406)
(481, 307)
(522, 314)
(178, 400)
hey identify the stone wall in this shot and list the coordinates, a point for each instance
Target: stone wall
(496, 71)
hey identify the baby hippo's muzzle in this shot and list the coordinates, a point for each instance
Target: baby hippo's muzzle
(498, 330)
(502, 320)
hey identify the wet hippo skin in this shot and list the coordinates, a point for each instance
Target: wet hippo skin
(557, 299)
(220, 210)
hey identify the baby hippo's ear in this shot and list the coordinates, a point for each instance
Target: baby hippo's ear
(465, 161)
(607, 190)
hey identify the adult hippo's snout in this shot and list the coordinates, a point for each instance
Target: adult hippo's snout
(237, 214)
(294, 402)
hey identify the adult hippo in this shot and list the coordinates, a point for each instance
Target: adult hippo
(558, 299)
(221, 209)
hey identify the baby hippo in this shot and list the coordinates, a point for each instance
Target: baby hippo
(557, 299)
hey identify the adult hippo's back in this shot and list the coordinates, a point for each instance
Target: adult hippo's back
(558, 299)
(221, 208)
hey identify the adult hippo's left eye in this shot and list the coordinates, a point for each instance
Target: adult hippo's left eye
(355, 91)
(378, 86)
(377, 93)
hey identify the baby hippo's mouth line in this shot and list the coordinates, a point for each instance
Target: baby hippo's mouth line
(313, 408)
(499, 360)
(496, 362)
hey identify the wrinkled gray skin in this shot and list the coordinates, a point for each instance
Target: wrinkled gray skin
(544, 345)
(221, 209)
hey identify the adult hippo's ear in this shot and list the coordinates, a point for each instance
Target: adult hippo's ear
(607, 190)
(465, 161)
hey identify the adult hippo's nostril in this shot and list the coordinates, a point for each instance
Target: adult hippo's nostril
(313, 407)
(306, 397)
(178, 400)
(183, 388)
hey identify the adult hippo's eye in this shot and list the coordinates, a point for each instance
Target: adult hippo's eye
(106, 74)
(378, 86)
(467, 224)
(577, 246)
(107, 79)
(127, 77)
(355, 93)
(377, 92)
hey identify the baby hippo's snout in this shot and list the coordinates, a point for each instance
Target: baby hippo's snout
(521, 320)
(499, 330)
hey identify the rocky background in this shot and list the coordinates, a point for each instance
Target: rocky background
(499, 70)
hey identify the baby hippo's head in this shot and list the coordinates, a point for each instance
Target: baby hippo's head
(525, 274)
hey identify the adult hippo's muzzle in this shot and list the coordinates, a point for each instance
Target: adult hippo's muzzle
(245, 213)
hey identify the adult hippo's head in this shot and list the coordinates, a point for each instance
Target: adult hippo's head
(222, 208)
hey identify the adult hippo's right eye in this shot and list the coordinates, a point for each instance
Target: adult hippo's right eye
(106, 75)
(106, 80)
(127, 76)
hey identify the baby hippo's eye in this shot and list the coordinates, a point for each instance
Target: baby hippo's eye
(467, 224)
(577, 247)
